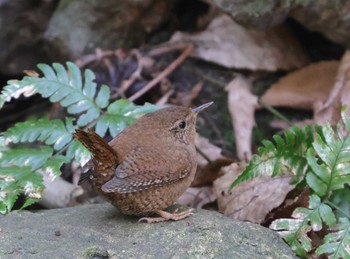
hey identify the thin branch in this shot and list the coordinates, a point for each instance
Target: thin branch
(275, 112)
(164, 73)
(204, 155)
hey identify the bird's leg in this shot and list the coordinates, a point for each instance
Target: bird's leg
(165, 216)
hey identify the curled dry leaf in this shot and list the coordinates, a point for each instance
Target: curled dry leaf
(305, 88)
(288, 206)
(197, 197)
(208, 172)
(242, 105)
(226, 43)
(330, 109)
(253, 199)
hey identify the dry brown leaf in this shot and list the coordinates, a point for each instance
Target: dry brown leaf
(305, 88)
(208, 173)
(197, 197)
(251, 200)
(229, 44)
(288, 206)
(242, 105)
(329, 110)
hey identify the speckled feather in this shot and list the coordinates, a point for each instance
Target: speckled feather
(148, 165)
(144, 169)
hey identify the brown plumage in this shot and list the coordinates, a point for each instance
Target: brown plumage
(148, 165)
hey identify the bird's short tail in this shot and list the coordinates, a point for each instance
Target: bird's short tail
(104, 157)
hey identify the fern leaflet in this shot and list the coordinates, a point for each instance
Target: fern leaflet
(18, 179)
(280, 158)
(337, 243)
(51, 132)
(295, 230)
(69, 90)
(120, 114)
(331, 172)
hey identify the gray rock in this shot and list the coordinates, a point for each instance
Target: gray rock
(331, 18)
(78, 27)
(22, 24)
(100, 231)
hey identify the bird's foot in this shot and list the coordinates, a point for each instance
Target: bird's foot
(165, 216)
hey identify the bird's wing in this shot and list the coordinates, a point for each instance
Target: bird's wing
(143, 169)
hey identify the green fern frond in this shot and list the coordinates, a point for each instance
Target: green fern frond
(52, 166)
(78, 152)
(284, 156)
(32, 157)
(295, 230)
(64, 87)
(14, 90)
(51, 132)
(337, 243)
(119, 115)
(71, 92)
(18, 179)
(331, 171)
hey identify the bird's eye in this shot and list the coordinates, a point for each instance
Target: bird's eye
(182, 124)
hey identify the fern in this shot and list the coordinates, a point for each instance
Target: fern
(14, 90)
(295, 231)
(16, 180)
(51, 132)
(320, 158)
(279, 158)
(337, 243)
(52, 142)
(332, 171)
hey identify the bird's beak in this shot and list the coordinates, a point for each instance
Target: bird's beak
(202, 107)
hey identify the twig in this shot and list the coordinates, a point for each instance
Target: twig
(135, 76)
(98, 55)
(165, 97)
(212, 80)
(167, 48)
(164, 73)
(275, 112)
(204, 155)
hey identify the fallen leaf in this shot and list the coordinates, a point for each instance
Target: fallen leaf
(207, 172)
(305, 88)
(288, 206)
(197, 197)
(242, 105)
(228, 44)
(329, 110)
(251, 200)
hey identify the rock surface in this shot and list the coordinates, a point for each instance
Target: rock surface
(78, 27)
(100, 231)
(331, 18)
(22, 24)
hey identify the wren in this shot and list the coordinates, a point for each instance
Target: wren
(145, 168)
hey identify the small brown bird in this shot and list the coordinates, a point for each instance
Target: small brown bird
(147, 166)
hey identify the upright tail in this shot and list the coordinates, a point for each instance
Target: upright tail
(104, 159)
